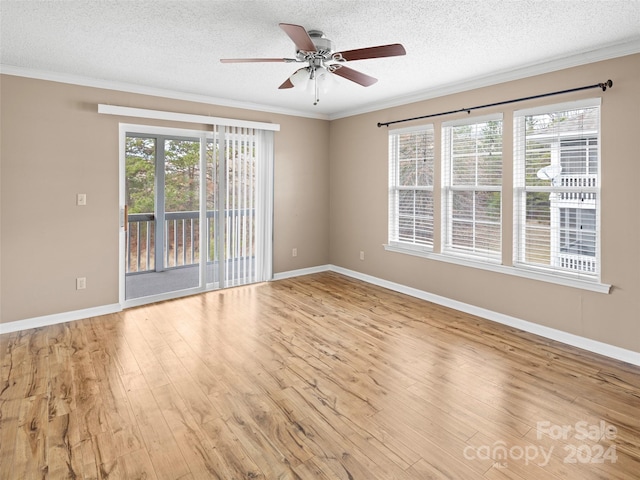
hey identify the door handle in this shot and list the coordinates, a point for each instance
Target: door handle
(126, 218)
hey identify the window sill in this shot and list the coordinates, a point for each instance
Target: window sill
(590, 285)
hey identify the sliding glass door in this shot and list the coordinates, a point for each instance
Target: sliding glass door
(197, 210)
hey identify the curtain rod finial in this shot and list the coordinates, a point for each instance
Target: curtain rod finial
(606, 84)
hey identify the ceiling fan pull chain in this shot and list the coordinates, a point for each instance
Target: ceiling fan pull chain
(314, 73)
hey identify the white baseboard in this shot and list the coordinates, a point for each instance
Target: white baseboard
(302, 271)
(54, 319)
(587, 344)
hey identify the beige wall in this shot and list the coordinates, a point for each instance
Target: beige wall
(358, 208)
(55, 145)
(330, 200)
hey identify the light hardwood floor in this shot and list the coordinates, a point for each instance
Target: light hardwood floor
(317, 377)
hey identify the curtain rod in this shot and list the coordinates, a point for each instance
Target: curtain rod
(603, 86)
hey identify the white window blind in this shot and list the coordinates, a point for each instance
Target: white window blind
(557, 189)
(411, 160)
(472, 184)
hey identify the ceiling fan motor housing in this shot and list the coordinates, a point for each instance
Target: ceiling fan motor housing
(324, 46)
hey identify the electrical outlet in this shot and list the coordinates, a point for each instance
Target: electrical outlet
(81, 199)
(81, 283)
(294, 252)
(361, 255)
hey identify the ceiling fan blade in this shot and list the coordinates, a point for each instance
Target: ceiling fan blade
(355, 76)
(251, 60)
(299, 36)
(287, 84)
(393, 50)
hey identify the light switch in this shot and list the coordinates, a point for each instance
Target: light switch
(81, 199)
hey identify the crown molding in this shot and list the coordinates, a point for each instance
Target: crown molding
(560, 63)
(145, 90)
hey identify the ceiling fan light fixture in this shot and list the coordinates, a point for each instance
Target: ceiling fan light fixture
(300, 78)
(325, 79)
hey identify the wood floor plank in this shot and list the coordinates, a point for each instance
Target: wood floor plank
(313, 469)
(61, 387)
(274, 425)
(313, 377)
(302, 409)
(135, 465)
(9, 421)
(439, 468)
(25, 370)
(337, 452)
(196, 447)
(146, 360)
(30, 446)
(160, 443)
(237, 458)
(60, 454)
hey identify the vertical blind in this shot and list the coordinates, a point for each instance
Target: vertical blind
(472, 183)
(557, 182)
(240, 235)
(245, 194)
(411, 186)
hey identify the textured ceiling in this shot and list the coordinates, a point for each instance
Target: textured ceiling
(176, 45)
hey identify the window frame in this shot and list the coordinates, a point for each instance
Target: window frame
(395, 188)
(449, 189)
(593, 193)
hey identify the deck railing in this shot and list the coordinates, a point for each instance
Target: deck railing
(181, 238)
(140, 243)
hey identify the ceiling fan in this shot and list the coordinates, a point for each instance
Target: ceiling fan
(317, 52)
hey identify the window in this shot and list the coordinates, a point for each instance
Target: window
(556, 179)
(554, 218)
(472, 184)
(411, 162)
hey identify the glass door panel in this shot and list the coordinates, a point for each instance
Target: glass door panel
(140, 164)
(163, 226)
(181, 229)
